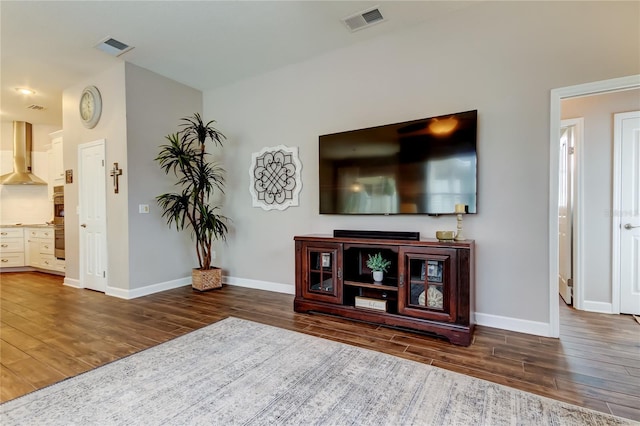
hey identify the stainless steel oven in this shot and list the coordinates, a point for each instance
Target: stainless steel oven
(58, 220)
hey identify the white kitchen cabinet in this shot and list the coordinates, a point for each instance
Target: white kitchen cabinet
(40, 248)
(11, 248)
(56, 165)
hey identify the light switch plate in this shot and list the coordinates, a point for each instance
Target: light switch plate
(143, 208)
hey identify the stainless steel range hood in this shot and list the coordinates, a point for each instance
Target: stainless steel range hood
(22, 145)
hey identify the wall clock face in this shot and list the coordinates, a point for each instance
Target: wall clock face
(90, 106)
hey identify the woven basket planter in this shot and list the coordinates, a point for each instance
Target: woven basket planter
(206, 279)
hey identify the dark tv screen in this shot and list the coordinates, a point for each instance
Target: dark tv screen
(424, 166)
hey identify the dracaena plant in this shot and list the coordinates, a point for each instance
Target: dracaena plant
(199, 181)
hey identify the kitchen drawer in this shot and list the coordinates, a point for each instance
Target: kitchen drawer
(11, 233)
(12, 245)
(48, 261)
(61, 265)
(43, 233)
(10, 260)
(47, 248)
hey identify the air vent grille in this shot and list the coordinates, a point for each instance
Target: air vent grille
(36, 107)
(116, 44)
(363, 19)
(372, 16)
(113, 47)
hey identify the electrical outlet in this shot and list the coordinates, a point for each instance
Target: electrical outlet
(213, 254)
(143, 208)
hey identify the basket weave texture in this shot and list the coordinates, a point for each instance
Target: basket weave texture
(206, 279)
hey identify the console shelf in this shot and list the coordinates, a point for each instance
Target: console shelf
(371, 285)
(428, 286)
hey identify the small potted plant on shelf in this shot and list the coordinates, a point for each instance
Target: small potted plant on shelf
(193, 206)
(378, 265)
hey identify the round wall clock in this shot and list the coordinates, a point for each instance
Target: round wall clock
(90, 106)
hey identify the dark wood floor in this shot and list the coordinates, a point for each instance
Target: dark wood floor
(50, 332)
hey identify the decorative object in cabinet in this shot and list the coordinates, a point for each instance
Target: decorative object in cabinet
(11, 247)
(428, 287)
(430, 281)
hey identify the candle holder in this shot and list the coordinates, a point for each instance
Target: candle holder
(460, 210)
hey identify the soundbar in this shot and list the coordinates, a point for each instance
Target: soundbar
(378, 235)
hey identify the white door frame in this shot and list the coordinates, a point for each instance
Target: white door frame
(577, 251)
(557, 95)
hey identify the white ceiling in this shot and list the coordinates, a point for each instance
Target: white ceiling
(49, 45)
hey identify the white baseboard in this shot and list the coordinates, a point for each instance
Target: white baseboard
(17, 269)
(259, 285)
(71, 282)
(600, 307)
(168, 285)
(147, 290)
(514, 324)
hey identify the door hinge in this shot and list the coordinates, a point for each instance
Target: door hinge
(102, 163)
(104, 274)
(572, 150)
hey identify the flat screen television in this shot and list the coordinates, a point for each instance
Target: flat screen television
(424, 166)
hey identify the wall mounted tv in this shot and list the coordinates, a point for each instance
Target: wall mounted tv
(422, 166)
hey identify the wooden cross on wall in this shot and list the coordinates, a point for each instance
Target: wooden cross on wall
(115, 173)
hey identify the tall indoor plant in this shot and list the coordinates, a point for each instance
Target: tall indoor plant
(199, 179)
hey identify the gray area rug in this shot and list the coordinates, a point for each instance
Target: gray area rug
(238, 372)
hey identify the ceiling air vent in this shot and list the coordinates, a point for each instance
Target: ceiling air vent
(113, 47)
(363, 19)
(36, 107)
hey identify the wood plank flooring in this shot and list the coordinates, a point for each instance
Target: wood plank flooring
(50, 332)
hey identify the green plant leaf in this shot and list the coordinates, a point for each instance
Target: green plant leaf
(378, 263)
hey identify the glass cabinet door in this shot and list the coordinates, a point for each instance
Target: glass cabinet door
(427, 288)
(323, 280)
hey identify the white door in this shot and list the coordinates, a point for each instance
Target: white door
(93, 220)
(627, 216)
(565, 211)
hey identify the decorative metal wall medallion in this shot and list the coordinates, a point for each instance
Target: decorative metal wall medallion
(274, 177)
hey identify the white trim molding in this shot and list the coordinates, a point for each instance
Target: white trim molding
(122, 293)
(600, 307)
(578, 211)
(259, 285)
(514, 324)
(147, 290)
(72, 282)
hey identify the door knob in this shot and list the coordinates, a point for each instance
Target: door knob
(630, 226)
(84, 225)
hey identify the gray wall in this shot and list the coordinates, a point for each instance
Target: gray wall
(155, 105)
(501, 58)
(139, 109)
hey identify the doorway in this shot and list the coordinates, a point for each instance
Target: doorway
(557, 95)
(571, 131)
(626, 209)
(93, 215)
